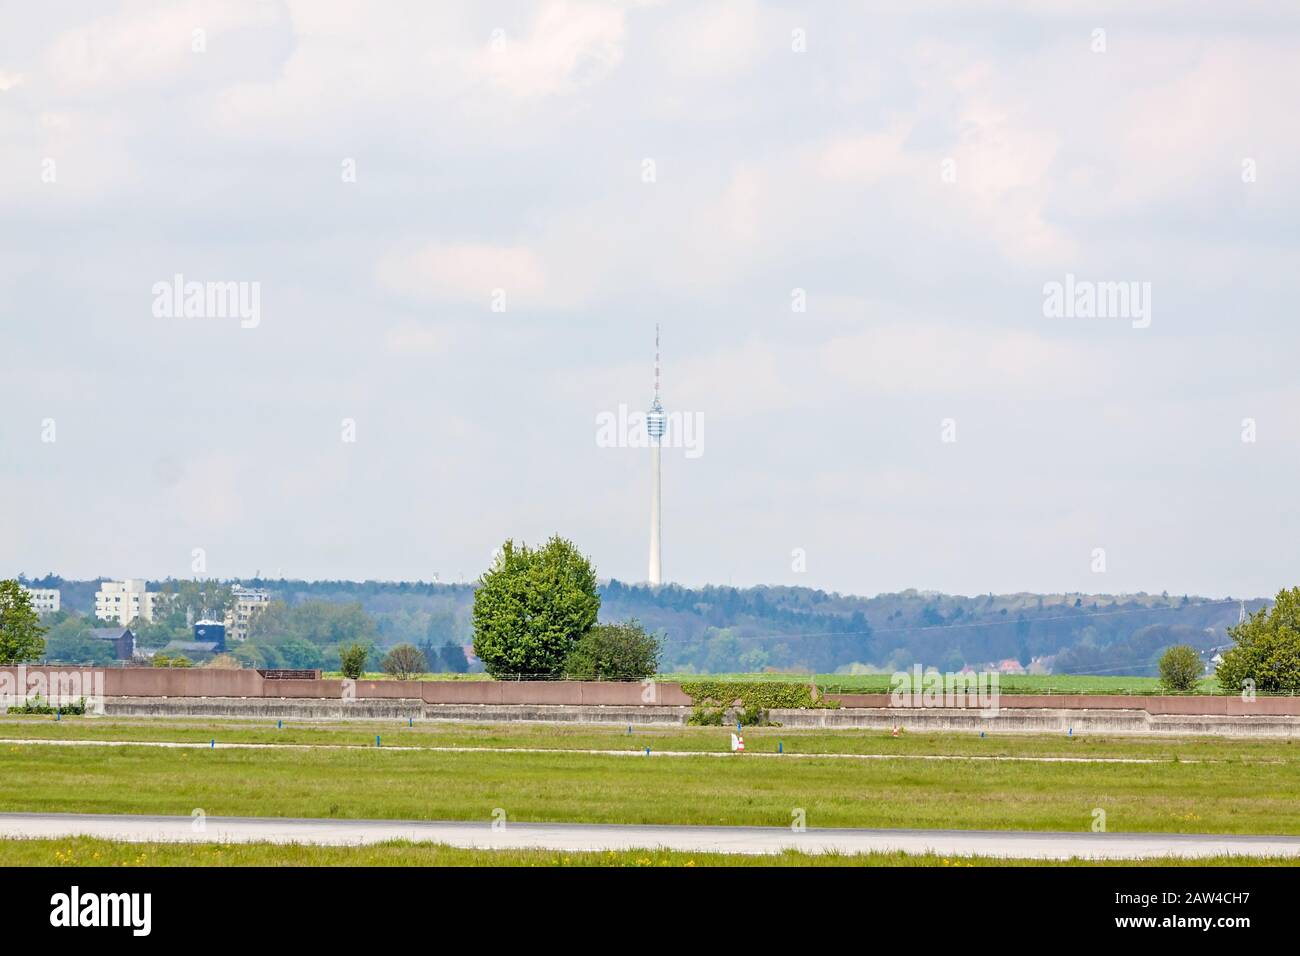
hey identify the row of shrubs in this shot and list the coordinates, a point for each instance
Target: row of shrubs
(37, 705)
(715, 701)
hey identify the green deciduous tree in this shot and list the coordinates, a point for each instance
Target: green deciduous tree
(404, 662)
(167, 660)
(180, 600)
(78, 648)
(1267, 648)
(1180, 668)
(320, 622)
(532, 606)
(352, 660)
(298, 653)
(21, 634)
(623, 651)
(452, 658)
(67, 642)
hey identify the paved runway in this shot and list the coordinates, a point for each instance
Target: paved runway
(696, 839)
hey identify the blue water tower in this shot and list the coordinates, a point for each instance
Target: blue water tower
(213, 631)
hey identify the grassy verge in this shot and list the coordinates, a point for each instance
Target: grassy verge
(658, 738)
(540, 785)
(85, 851)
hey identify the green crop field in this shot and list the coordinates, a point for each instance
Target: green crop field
(1007, 684)
(879, 683)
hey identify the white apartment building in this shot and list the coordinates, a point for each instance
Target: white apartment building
(245, 604)
(124, 601)
(44, 600)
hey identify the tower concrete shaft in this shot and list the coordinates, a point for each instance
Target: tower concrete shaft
(656, 565)
(656, 425)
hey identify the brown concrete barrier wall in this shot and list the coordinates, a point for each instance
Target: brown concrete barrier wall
(1154, 704)
(302, 688)
(154, 682)
(181, 682)
(460, 692)
(39, 679)
(386, 689)
(541, 692)
(553, 693)
(140, 682)
(633, 694)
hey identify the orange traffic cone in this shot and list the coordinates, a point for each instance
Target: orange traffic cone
(895, 733)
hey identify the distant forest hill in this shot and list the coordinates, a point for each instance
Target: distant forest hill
(795, 629)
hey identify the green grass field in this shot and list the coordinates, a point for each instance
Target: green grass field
(659, 738)
(1201, 785)
(84, 851)
(1007, 684)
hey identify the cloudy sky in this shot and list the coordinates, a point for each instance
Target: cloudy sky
(464, 220)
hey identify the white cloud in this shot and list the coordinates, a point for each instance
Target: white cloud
(938, 359)
(146, 43)
(465, 273)
(569, 45)
(863, 159)
(414, 338)
(518, 169)
(724, 38)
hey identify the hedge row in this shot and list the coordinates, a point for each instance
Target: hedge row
(712, 699)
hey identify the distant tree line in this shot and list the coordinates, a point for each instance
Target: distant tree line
(710, 629)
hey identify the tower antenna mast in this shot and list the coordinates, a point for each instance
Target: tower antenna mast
(656, 363)
(656, 425)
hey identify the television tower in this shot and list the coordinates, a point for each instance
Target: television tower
(656, 424)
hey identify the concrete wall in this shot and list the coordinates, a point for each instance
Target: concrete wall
(299, 708)
(194, 683)
(554, 693)
(1041, 720)
(199, 682)
(1224, 706)
(387, 709)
